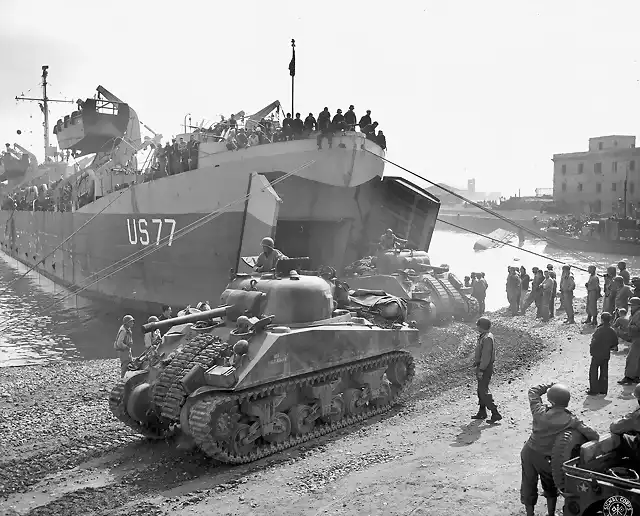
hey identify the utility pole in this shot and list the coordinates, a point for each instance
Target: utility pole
(44, 107)
(626, 181)
(292, 72)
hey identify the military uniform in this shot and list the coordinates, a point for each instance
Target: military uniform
(485, 357)
(268, 262)
(535, 457)
(122, 344)
(567, 286)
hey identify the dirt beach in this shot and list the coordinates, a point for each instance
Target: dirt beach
(62, 453)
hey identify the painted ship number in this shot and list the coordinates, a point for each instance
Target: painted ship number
(140, 230)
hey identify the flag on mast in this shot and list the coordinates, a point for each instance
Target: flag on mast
(292, 63)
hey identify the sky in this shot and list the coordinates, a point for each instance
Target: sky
(462, 89)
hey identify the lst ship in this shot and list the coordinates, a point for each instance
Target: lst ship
(329, 205)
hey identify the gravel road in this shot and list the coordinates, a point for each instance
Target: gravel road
(62, 453)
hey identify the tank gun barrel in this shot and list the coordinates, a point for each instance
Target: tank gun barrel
(174, 321)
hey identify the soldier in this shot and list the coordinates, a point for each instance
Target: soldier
(153, 338)
(628, 429)
(603, 340)
(123, 343)
(548, 423)
(608, 303)
(484, 360)
(623, 294)
(513, 291)
(624, 272)
(270, 256)
(632, 366)
(593, 294)
(389, 240)
(567, 286)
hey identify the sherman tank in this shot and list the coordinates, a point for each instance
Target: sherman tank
(278, 363)
(433, 294)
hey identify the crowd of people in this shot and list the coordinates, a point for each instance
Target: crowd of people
(180, 155)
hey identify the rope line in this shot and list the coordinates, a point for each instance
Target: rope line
(511, 245)
(133, 257)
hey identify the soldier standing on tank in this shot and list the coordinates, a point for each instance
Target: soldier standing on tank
(484, 359)
(270, 256)
(123, 343)
(535, 457)
(624, 272)
(390, 240)
(632, 366)
(593, 294)
(628, 428)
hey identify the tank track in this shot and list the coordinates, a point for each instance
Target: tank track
(168, 393)
(119, 410)
(200, 424)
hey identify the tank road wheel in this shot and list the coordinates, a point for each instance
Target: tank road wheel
(238, 445)
(384, 396)
(297, 415)
(337, 410)
(351, 398)
(281, 429)
(398, 373)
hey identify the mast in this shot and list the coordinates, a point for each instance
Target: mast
(44, 106)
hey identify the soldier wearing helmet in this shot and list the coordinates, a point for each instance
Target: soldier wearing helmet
(603, 340)
(593, 294)
(628, 428)
(548, 423)
(632, 366)
(624, 272)
(268, 260)
(567, 286)
(390, 240)
(153, 338)
(123, 343)
(484, 359)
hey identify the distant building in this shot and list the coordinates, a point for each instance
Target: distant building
(594, 181)
(470, 193)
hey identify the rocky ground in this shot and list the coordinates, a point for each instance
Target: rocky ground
(62, 453)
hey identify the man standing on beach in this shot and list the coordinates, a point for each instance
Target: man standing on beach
(548, 423)
(484, 359)
(593, 294)
(603, 340)
(632, 366)
(123, 343)
(567, 286)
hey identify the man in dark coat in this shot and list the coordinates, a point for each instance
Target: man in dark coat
(603, 340)
(350, 119)
(365, 120)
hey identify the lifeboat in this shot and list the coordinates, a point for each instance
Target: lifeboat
(97, 127)
(13, 168)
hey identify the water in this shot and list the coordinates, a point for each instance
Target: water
(33, 332)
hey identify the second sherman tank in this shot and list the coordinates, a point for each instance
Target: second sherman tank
(279, 363)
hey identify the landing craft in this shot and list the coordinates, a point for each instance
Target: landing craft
(174, 237)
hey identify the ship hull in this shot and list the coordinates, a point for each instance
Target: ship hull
(323, 204)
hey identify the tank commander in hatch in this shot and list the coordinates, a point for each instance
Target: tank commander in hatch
(389, 240)
(270, 256)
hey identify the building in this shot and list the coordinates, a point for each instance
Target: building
(594, 181)
(470, 193)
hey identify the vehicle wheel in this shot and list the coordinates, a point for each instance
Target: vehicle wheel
(284, 424)
(566, 447)
(297, 415)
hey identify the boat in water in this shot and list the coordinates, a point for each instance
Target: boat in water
(143, 237)
(497, 238)
(616, 236)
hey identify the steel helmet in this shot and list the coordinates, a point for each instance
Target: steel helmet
(153, 318)
(559, 394)
(484, 323)
(128, 318)
(267, 241)
(636, 392)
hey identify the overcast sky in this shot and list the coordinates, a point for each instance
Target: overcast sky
(462, 89)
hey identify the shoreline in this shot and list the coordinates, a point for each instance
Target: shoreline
(56, 424)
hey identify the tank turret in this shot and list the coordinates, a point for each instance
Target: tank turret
(279, 366)
(390, 261)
